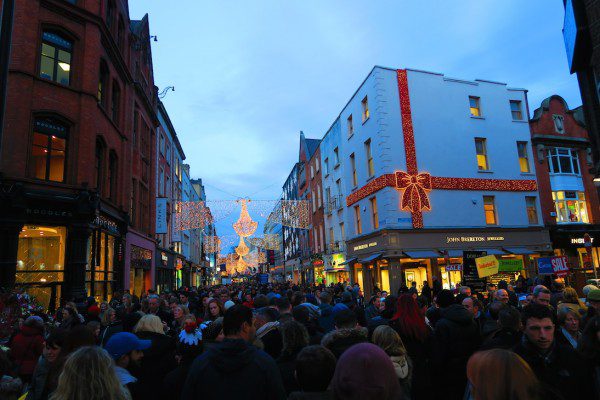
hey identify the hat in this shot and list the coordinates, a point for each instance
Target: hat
(594, 295)
(347, 297)
(122, 343)
(228, 304)
(587, 288)
(339, 307)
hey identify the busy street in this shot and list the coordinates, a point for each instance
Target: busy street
(301, 200)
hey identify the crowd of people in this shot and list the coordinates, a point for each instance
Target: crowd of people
(277, 341)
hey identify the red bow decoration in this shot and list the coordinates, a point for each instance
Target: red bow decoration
(415, 187)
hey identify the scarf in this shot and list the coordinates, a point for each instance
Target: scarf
(266, 328)
(570, 338)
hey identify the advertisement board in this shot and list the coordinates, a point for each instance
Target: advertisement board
(161, 215)
(487, 266)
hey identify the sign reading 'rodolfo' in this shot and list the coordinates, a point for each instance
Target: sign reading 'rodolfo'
(463, 239)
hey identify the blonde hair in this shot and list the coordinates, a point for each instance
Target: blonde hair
(388, 340)
(570, 296)
(106, 316)
(149, 323)
(500, 374)
(89, 374)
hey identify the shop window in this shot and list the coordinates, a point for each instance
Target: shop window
(350, 125)
(570, 206)
(40, 263)
(523, 158)
(374, 213)
(55, 61)
(365, 109)
(357, 220)
(489, 207)
(353, 167)
(103, 84)
(481, 151)
(532, 214)
(48, 152)
(113, 170)
(475, 106)
(563, 161)
(116, 102)
(100, 269)
(99, 165)
(370, 164)
(515, 110)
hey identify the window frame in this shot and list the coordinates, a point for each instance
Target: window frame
(477, 99)
(366, 112)
(370, 161)
(484, 154)
(491, 200)
(560, 196)
(55, 59)
(357, 220)
(353, 169)
(554, 156)
(350, 125)
(374, 212)
(61, 132)
(519, 105)
(523, 156)
(531, 207)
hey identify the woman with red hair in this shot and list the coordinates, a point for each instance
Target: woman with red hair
(416, 335)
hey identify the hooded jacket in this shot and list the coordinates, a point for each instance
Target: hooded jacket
(26, 348)
(234, 369)
(456, 338)
(340, 340)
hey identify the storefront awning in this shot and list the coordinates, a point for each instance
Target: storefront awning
(455, 253)
(350, 261)
(371, 258)
(493, 252)
(519, 250)
(423, 254)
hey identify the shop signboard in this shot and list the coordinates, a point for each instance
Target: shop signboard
(487, 266)
(510, 265)
(454, 267)
(470, 277)
(161, 215)
(545, 266)
(559, 266)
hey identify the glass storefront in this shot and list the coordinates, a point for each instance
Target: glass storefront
(100, 269)
(139, 272)
(41, 260)
(450, 277)
(570, 206)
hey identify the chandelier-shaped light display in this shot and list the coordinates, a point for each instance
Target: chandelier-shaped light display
(245, 226)
(242, 248)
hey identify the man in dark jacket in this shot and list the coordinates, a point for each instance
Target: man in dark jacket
(267, 331)
(456, 337)
(347, 333)
(234, 369)
(326, 318)
(509, 332)
(560, 369)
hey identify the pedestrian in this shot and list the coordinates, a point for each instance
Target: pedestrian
(89, 374)
(373, 308)
(111, 324)
(126, 349)
(365, 372)
(389, 341)
(315, 366)
(27, 346)
(569, 332)
(49, 366)
(267, 333)
(155, 307)
(214, 310)
(389, 306)
(70, 318)
(456, 337)
(234, 369)
(426, 291)
(589, 348)
(159, 358)
(295, 338)
(541, 295)
(346, 334)
(326, 318)
(571, 301)
(560, 369)
(303, 315)
(180, 314)
(500, 374)
(508, 334)
(10, 386)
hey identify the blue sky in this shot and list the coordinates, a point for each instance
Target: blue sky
(249, 75)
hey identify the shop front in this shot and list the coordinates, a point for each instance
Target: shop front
(319, 271)
(179, 272)
(165, 270)
(277, 273)
(139, 263)
(336, 269)
(392, 259)
(583, 257)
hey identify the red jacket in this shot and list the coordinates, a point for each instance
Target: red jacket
(26, 348)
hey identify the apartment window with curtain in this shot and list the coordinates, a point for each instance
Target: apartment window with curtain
(570, 206)
(365, 109)
(48, 152)
(475, 106)
(319, 198)
(489, 206)
(353, 166)
(515, 110)
(370, 165)
(328, 198)
(317, 164)
(350, 125)
(357, 220)
(312, 172)
(481, 151)
(374, 213)
(55, 60)
(532, 215)
(523, 157)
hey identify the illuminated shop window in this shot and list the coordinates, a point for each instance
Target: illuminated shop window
(570, 207)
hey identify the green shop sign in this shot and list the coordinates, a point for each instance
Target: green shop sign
(510, 265)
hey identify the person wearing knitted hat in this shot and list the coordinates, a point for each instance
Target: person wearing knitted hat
(365, 372)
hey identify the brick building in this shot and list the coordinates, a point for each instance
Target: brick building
(76, 206)
(568, 197)
(317, 232)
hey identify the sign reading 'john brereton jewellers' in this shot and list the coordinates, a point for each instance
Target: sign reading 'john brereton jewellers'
(471, 239)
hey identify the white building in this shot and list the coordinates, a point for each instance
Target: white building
(432, 166)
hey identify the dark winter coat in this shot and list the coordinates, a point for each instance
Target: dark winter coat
(456, 338)
(326, 395)
(44, 379)
(234, 369)
(326, 318)
(172, 386)
(110, 330)
(272, 343)
(287, 367)
(562, 369)
(26, 348)
(371, 312)
(502, 339)
(158, 361)
(340, 340)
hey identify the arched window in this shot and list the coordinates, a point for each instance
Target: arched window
(103, 83)
(112, 175)
(116, 102)
(55, 61)
(99, 165)
(48, 153)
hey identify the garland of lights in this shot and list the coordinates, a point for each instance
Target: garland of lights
(415, 185)
(211, 244)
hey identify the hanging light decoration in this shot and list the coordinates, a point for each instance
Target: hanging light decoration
(211, 244)
(245, 226)
(242, 248)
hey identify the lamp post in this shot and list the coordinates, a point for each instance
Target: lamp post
(8, 8)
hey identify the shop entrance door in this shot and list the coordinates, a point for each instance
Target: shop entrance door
(137, 281)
